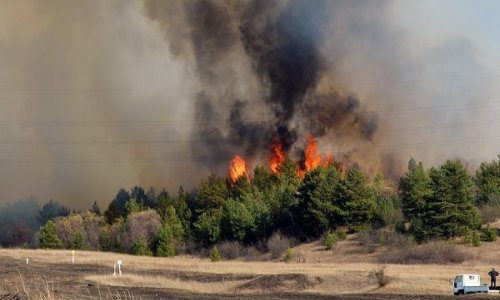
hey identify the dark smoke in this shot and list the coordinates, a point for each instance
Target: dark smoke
(282, 42)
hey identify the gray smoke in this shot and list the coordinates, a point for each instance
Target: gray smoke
(281, 42)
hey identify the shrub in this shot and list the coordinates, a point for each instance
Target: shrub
(467, 239)
(77, 240)
(489, 234)
(230, 250)
(341, 234)
(379, 274)
(214, 254)
(430, 253)
(277, 244)
(330, 239)
(48, 236)
(476, 239)
(252, 253)
(140, 247)
(489, 213)
(288, 255)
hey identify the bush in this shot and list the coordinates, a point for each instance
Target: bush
(476, 239)
(230, 250)
(214, 254)
(77, 241)
(489, 234)
(430, 253)
(140, 225)
(288, 255)
(341, 234)
(379, 274)
(277, 244)
(48, 237)
(330, 239)
(140, 247)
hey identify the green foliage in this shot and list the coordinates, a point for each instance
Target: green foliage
(288, 255)
(78, 241)
(207, 227)
(489, 234)
(132, 207)
(318, 208)
(415, 191)
(487, 180)
(236, 220)
(258, 208)
(358, 200)
(476, 239)
(108, 241)
(165, 241)
(48, 236)
(450, 210)
(214, 254)
(262, 178)
(330, 239)
(341, 234)
(140, 247)
(212, 193)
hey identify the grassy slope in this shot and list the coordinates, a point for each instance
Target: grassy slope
(344, 270)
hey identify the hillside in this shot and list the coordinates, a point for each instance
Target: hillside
(344, 272)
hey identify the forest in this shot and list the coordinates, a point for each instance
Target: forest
(438, 203)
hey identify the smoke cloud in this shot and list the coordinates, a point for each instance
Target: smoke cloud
(99, 96)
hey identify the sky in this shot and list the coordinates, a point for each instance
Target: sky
(93, 97)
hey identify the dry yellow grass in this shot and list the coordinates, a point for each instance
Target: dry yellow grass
(342, 271)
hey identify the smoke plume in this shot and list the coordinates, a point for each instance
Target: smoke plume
(280, 44)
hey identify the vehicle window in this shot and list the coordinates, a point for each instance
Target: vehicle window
(458, 279)
(471, 277)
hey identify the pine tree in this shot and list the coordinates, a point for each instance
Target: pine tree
(358, 200)
(450, 211)
(95, 209)
(318, 207)
(165, 240)
(77, 241)
(415, 190)
(48, 236)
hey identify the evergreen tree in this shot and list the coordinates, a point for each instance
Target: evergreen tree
(174, 223)
(415, 190)
(77, 240)
(357, 199)
(450, 211)
(140, 247)
(165, 241)
(207, 227)
(211, 193)
(262, 178)
(318, 209)
(256, 205)
(48, 236)
(132, 206)
(487, 180)
(236, 220)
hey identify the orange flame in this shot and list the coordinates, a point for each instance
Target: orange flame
(277, 156)
(237, 168)
(312, 157)
(329, 161)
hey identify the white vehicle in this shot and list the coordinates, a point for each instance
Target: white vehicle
(468, 284)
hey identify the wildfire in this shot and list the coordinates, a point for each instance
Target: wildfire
(277, 156)
(312, 157)
(237, 168)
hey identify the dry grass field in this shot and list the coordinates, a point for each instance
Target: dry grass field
(346, 272)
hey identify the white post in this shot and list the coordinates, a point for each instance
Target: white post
(114, 269)
(119, 263)
(27, 260)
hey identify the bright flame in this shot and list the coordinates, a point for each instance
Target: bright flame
(329, 161)
(277, 156)
(237, 168)
(312, 157)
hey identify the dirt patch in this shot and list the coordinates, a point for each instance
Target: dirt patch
(282, 282)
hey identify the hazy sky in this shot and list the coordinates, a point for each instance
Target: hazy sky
(92, 99)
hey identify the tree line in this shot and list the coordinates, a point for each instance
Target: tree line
(437, 203)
